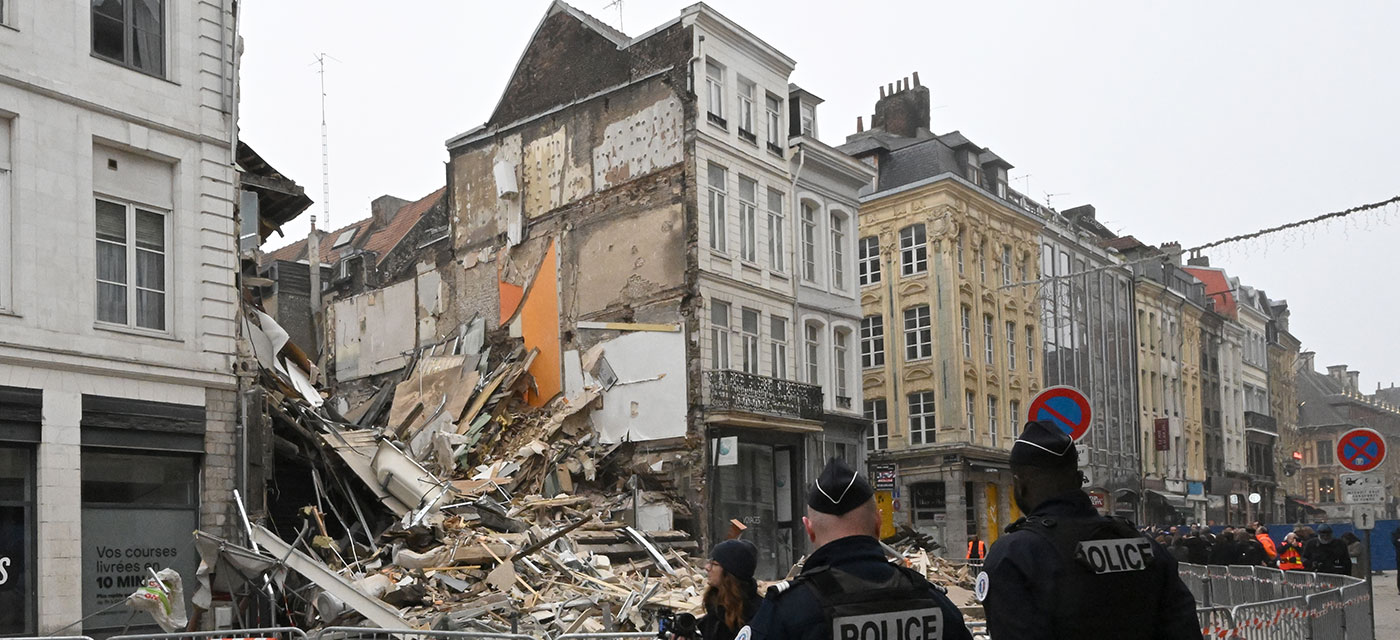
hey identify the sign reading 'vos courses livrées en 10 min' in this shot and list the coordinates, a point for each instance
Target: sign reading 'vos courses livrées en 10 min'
(917, 624)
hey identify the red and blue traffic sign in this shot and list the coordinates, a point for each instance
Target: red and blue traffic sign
(1064, 406)
(1361, 450)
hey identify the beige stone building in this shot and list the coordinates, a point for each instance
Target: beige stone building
(950, 353)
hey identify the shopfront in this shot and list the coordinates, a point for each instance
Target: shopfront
(20, 411)
(754, 480)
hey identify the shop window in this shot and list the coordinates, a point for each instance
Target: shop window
(17, 543)
(930, 502)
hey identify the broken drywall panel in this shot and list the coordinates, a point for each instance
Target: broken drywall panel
(573, 373)
(640, 143)
(373, 331)
(430, 306)
(648, 402)
(539, 318)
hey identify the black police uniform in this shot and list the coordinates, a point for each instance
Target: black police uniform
(848, 590)
(1064, 572)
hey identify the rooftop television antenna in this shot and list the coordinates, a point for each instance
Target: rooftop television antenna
(325, 144)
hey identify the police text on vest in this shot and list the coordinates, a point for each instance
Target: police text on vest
(919, 624)
(1120, 554)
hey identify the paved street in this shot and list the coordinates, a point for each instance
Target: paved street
(1387, 606)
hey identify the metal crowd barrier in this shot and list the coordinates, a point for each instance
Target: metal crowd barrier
(372, 633)
(269, 633)
(1259, 603)
(615, 635)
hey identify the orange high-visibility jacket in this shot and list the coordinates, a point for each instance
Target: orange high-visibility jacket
(1268, 544)
(1290, 558)
(977, 546)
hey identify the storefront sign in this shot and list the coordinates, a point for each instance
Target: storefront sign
(121, 546)
(1161, 434)
(727, 451)
(1099, 500)
(886, 476)
(14, 592)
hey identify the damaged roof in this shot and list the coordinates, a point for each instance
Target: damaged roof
(366, 236)
(280, 199)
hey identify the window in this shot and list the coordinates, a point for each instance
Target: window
(840, 367)
(971, 401)
(982, 264)
(777, 251)
(1030, 348)
(868, 257)
(918, 333)
(967, 332)
(878, 439)
(814, 345)
(719, 334)
(961, 271)
(992, 419)
(344, 238)
(5, 237)
(1011, 345)
(1326, 490)
(838, 251)
(714, 81)
(748, 219)
(778, 346)
(988, 340)
(748, 326)
(1013, 415)
(746, 98)
(17, 546)
(809, 120)
(774, 106)
(872, 342)
(130, 242)
(718, 211)
(913, 250)
(921, 418)
(809, 242)
(1006, 264)
(1324, 452)
(130, 33)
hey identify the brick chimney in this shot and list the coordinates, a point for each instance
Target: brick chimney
(903, 109)
(1199, 261)
(384, 207)
(1173, 251)
(1337, 372)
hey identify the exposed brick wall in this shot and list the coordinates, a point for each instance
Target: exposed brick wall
(217, 513)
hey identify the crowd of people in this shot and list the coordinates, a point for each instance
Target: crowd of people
(1303, 548)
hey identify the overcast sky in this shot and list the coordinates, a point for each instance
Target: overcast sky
(1186, 121)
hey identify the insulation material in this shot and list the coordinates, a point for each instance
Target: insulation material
(539, 323)
(649, 400)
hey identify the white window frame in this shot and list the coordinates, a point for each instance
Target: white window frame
(872, 341)
(778, 346)
(878, 413)
(840, 365)
(777, 247)
(6, 237)
(838, 251)
(747, 91)
(1006, 264)
(923, 418)
(719, 209)
(131, 251)
(812, 341)
(720, 312)
(967, 331)
(989, 339)
(749, 339)
(748, 218)
(970, 399)
(808, 239)
(918, 333)
(1030, 348)
(1013, 410)
(128, 45)
(714, 83)
(961, 269)
(808, 115)
(913, 250)
(992, 419)
(775, 120)
(868, 258)
(1010, 345)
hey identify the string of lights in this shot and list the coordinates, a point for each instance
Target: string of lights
(1171, 254)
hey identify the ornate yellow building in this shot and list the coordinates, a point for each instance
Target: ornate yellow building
(950, 348)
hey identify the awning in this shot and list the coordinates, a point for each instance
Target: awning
(1174, 501)
(1306, 505)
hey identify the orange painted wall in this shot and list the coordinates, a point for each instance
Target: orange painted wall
(539, 323)
(510, 300)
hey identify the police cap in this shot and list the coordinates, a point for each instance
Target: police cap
(1042, 444)
(839, 489)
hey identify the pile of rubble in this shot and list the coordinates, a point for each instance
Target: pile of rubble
(446, 501)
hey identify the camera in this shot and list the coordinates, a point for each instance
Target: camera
(676, 626)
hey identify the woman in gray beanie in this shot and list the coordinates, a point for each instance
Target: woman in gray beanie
(732, 598)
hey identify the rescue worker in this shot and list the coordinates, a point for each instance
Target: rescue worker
(1065, 572)
(976, 549)
(1290, 555)
(1261, 533)
(847, 588)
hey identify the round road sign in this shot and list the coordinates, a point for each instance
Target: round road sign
(1065, 407)
(1361, 450)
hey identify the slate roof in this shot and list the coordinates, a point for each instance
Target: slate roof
(1314, 391)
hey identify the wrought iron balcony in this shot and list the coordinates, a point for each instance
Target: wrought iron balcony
(752, 393)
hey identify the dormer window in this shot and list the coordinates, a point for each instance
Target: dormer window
(809, 120)
(343, 239)
(974, 170)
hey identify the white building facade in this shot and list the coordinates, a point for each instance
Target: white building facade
(117, 299)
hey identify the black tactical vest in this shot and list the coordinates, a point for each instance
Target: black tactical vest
(899, 608)
(1108, 586)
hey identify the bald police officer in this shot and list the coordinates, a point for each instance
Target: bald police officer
(847, 589)
(1066, 572)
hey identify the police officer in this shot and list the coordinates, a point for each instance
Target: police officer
(847, 589)
(1065, 572)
